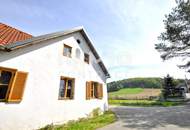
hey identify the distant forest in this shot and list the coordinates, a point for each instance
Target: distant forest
(139, 83)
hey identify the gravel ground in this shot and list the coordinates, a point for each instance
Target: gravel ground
(151, 118)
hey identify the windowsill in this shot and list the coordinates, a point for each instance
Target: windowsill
(4, 84)
(62, 98)
(95, 99)
(67, 56)
(86, 62)
(2, 100)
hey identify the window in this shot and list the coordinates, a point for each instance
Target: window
(66, 88)
(78, 41)
(67, 51)
(94, 90)
(86, 58)
(12, 83)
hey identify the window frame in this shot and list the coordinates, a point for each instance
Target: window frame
(13, 71)
(66, 86)
(88, 56)
(91, 92)
(67, 46)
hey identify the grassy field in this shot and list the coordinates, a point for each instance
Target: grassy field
(138, 97)
(144, 103)
(134, 93)
(126, 91)
(85, 123)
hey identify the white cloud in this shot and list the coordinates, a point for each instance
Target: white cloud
(142, 21)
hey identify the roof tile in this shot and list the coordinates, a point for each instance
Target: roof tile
(10, 35)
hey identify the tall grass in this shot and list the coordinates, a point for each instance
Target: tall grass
(85, 123)
(144, 103)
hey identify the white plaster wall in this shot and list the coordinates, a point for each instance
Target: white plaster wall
(45, 63)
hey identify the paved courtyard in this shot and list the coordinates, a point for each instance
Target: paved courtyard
(151, 118)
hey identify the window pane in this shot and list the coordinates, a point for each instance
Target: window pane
(62, 88)
(67, 51)
(86, 58)
(69, 89)
(69, 84)
(5, 78)
(3, 91)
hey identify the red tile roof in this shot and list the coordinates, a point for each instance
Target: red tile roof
(9, 35)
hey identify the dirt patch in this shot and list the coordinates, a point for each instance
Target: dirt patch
(146, 94)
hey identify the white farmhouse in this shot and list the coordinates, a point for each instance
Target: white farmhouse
(47, 79)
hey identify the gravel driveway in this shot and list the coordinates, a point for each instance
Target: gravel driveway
(151, 118)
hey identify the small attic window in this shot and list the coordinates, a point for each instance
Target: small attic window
(78, 41)
(67, 50)
(86, 58)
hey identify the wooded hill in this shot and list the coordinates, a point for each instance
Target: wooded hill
(152, 82)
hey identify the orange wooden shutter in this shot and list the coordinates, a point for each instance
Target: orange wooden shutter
(100, 91)
(88, 87)
(17, 88)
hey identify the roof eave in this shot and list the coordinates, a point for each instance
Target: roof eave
(84, 33)
(38, 39)
(2, 48)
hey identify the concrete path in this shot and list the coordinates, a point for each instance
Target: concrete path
(151, 118)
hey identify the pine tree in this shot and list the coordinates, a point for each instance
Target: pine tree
(175, 40)
(168, 86)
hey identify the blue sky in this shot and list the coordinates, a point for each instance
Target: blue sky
(123, 31)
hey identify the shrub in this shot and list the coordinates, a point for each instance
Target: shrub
(96, 112)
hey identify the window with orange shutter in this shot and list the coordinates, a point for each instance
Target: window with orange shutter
(12, 83)
(94, 90)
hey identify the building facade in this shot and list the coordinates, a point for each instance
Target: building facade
(48, 79)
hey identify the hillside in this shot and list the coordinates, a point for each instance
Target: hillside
(152, 82)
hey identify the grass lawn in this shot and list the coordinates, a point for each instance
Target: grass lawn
(85, 123)
(126, 91)
(144, 103)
